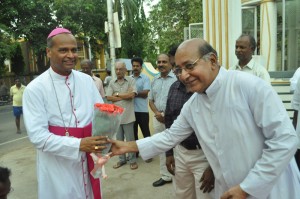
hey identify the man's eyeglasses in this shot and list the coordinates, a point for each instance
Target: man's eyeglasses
(189, 67)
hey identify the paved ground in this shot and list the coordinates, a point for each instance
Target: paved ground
(17, 153)
(121, 183)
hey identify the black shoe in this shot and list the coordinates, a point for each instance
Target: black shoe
(160, 182)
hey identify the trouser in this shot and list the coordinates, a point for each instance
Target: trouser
(126, 131)
(142, 120)
(189, 167)
(165, 174)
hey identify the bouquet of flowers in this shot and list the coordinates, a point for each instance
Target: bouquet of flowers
(106, 121)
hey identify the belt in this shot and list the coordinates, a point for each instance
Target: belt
(73, 132)
(81, 133)
(189, 146)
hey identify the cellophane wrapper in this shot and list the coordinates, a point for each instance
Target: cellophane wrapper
(106, 121)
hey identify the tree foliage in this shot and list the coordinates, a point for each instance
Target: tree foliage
(31, 21)
(132, 31)
(85, 18)
(167, 20)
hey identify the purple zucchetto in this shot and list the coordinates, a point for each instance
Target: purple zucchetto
(58, 31)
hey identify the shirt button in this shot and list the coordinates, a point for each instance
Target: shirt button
(74, 109)
(78, 121)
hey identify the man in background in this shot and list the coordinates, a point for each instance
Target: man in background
(160, 86)
(244, 49)
(141, 111)
(3, 91)
(107, 79)
(121, 92)
(16, 92)
(294, 80)
(87, 66)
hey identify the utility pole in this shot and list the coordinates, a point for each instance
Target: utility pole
(111, 37)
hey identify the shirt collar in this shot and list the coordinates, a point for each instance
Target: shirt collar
(57, 76)
(216, 84)
(250, 65)
(125, 79)
(170, 74)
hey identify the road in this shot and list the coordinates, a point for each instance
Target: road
(18, 154)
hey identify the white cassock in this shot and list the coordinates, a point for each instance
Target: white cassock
(61, 168)
(245, 133)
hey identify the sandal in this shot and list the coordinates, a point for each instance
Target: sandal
(133, 166)
(119, 164)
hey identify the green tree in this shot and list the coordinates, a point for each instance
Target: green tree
(85, 19)
(167, 20)
(31, 21)
(127, 9)
(132, 31)
(17, 60)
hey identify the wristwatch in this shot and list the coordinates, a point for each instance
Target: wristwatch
(117, 94)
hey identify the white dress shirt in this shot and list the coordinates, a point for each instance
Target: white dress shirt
(254, 68)
(245, 133)
(61, 168)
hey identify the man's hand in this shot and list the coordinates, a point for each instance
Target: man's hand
(170, 163)
(235, 192)
(93, 144)
(159, 117)
(120, 147)
(208, 180)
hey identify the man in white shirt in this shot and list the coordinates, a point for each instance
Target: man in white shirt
(58, 107)
(241, 124)
(294, 80)
(244, 50)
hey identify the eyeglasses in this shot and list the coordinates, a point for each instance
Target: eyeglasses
(189, 67)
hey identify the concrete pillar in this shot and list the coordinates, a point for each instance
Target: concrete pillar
(268, 31)
(222, 25)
